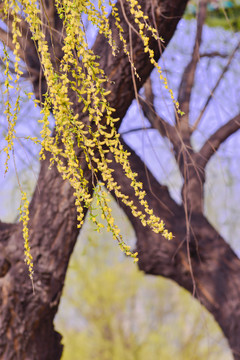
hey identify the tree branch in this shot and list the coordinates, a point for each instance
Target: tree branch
(183, 152)
(52, 26)
(216, 139)
(5, 226)
(6, 39)
(157, 122)
(187, 82)
(53, 218)
(162, 199)
(213, 54)
(136, 130)
(166, 21)
(215, 267)
(225, 69)
(48, 13)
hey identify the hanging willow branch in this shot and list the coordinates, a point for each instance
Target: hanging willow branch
(78, 72)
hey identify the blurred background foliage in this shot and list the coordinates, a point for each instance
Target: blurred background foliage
(112, 311)
(220, 13)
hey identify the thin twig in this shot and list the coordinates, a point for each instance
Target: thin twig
(187, 81)
(195, 125)
(213, 54)
(136, 129)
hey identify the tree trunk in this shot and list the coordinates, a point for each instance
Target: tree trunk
(204, 264)
(26, 318)
(200, 261)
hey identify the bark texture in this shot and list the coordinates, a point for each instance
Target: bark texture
(197, 259)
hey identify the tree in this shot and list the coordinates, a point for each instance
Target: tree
(110, 310)
(198, 258)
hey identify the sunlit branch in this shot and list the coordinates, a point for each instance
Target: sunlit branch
(12, 70)
(216, 139)
(225, 69)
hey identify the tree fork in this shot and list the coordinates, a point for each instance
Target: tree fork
(26, 318)
(210, 270)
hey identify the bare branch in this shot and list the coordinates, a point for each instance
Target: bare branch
(187, 82)
(216, 139)
(157, 122)
(183, 152)
(225, 69)
(136, 130)
(48, 12)
(213, 54)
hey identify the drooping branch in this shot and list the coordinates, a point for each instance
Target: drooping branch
(52, 28)
(48, 11)
(53, 224)
(215, 140)
(6, 39)
(53, 233)
(119, 70)
(6, 36)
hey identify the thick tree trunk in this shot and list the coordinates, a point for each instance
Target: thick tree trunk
(197, 259)
(204, 264)
(26, 318)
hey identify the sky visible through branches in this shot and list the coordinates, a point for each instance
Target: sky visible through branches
(222, 173)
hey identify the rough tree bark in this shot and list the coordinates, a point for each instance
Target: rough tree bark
(197, 259)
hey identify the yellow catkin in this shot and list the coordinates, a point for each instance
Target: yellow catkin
(97, 138)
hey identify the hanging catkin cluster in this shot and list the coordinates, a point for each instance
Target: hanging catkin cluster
(79, 72)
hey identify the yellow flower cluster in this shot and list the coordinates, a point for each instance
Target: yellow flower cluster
(141, 20)
(24, 218)
(79, 73)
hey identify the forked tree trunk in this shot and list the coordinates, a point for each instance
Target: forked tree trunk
(26, 318)
(204, 264)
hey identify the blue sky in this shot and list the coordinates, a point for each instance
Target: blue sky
(222, 186)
